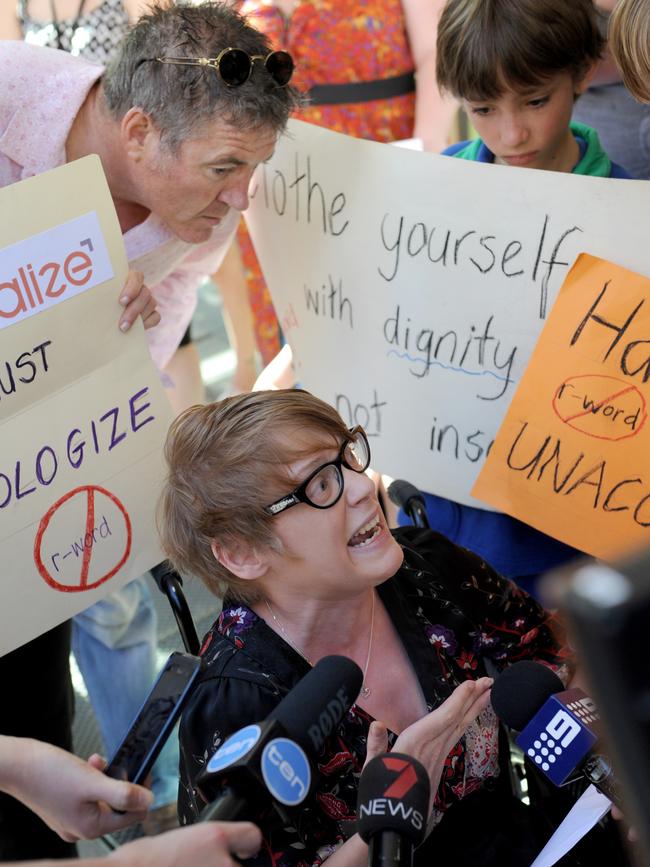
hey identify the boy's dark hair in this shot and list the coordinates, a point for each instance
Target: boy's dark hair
(180, 99)
(487, 45)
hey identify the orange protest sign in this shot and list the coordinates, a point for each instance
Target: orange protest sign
(572, 456)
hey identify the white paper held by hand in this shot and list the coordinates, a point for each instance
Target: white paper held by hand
(581, 818)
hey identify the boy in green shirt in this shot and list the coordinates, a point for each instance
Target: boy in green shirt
(518, 66)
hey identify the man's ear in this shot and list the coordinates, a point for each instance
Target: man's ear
(240, 559)
(136, 128)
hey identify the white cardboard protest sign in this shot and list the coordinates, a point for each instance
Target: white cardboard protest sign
(82, 411)
(412, 287)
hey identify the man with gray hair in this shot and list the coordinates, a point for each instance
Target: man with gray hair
(194, 100)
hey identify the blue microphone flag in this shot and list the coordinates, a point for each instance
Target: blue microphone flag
(561, 734)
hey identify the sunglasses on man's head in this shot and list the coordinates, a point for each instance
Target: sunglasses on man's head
(234, 65)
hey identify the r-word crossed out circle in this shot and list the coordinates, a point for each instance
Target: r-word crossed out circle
(83, 540)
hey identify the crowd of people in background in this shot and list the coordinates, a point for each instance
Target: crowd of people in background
(384, 71)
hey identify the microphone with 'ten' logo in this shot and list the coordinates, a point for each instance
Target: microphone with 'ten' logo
(392, 809)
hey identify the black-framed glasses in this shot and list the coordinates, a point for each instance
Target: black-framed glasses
(234, 65)
(323, 488)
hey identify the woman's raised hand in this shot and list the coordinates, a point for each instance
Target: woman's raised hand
(431, 739)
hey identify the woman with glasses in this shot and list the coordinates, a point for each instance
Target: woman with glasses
(267, 500)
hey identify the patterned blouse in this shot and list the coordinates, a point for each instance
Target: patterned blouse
(452, 612)
(94, 35)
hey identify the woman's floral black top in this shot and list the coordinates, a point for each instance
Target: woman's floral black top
(454, 614)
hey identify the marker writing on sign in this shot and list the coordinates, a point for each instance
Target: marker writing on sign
(87, 541)
(548, 462)
(24, 369)
(633, 356)
(98, 436)
(475, 353)
(477, 251)
(78, 577)
(328, 301)
(300, 196)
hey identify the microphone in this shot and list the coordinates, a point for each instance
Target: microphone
(392, 807)
(407, 497)
(558, 727)
(271, 758)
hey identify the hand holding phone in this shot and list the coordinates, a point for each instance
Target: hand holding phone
(155, 720)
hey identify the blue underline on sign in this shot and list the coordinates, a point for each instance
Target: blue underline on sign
(436, 363)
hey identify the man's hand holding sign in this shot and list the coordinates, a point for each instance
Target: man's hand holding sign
(82, 410)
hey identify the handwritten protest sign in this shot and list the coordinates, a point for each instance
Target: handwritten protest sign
(82, 410)
(412, 287)
(572, 455)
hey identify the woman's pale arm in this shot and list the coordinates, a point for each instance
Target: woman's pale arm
(434, 113)
(9, 24)
(278, 373)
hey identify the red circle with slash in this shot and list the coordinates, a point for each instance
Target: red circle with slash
(89, 491)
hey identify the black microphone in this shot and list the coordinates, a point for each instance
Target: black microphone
(271, 760)
(392, 809)
(558, 727)
(407, 497)
(521, 689)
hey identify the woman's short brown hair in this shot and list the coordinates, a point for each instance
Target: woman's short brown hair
(227, 461)
(486, 45)
(629, 41)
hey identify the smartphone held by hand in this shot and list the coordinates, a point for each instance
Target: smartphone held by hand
(155, 720)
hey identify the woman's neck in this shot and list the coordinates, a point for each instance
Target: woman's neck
(319, 627)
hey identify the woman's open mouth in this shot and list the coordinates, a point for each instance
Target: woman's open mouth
(366, 534)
